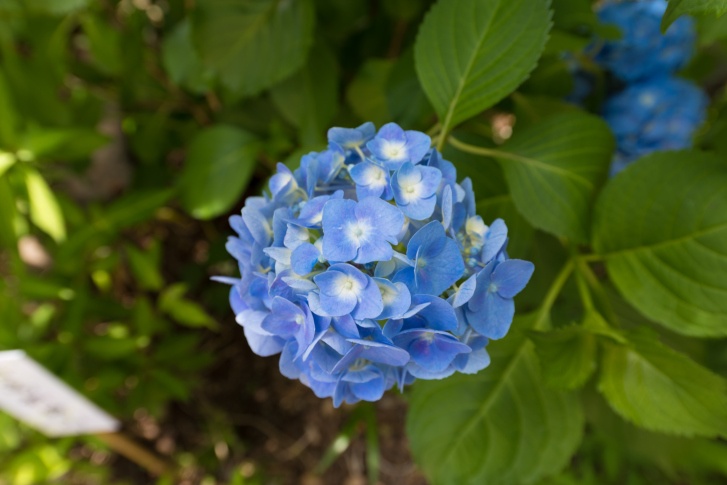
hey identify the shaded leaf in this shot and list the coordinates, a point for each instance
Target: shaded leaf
(677, 8)
(556, 167)
(501, 425)
(253, 44)
(309, 98)
(661, 226)
(660, 389)
(219, 163)
(470, 54)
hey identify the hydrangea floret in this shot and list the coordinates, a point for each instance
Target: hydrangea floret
(657, 114)
(642, 50)
(368, 267)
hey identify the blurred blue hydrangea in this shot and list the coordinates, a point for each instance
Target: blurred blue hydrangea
(643, 51)
(656, 114)
(368, 267)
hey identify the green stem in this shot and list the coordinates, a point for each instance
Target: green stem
(584, 293)
(585, 271)
(485, 152)
(590, 258)
(552, 294)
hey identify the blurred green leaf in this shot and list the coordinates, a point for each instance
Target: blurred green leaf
(145, 266)
(661, 226)
(254, 44)
(407, 102)
(7, 216)
(309, 98)
(219, 163)
(104, 43)
(501, 425)
(55, 7)
(677, 8)
(110, 348)
(460, 62)
(366, 94)
(65, 143)
(7, 160)
(44, 209)
(182, 62)
(9, 126)
(660, 389)
(182, 310)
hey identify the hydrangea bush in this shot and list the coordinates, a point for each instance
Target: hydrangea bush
(368, 267)
(647, 107)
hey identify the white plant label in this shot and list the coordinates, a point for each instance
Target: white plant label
(33, 395)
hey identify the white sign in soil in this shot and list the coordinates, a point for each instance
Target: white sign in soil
(40, 399)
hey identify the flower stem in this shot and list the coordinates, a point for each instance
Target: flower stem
(483, 151)
(552, 295)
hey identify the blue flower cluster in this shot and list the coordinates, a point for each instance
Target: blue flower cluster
(655, 111)
(652, 115)
(642, 51)
(368, 267)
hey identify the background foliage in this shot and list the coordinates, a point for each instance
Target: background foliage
(129, 130)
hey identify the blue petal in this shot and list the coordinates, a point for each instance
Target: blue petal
(371, 180)
(337, 243)
(511, 276)
(370, 304)
(432, 350)
(495, 316)
(436, 315)
(465, 292)
(494, 240)
(352, 138)
(473, 362)
(396, 298)
(258, 226)
(304, 258)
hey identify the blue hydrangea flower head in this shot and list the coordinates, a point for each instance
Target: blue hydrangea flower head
(658, 114)
(367, 267)
(642, 50)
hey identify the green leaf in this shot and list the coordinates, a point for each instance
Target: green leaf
(219, 163)
(8, 238)
(55, 7)
(182, 310)
(470, 54)
(501, 425)
(44, 209)
(309, 98)
(182, 62)
(59, 144)
(255, 43)
(661, 226)
(660, 389)
(567, 355)
(555, 169)
(105, 44)
(677, 8)
(366, 94)
(145, 266)
(7, 160)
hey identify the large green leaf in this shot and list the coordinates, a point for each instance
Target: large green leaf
(661, 226)
(253, 44)
(662, 390)
(182, 62)
(44, 209)
(470, 54)
(501, 425)
(677, 8)
(219, 163)
(554, 169)
(309, 98)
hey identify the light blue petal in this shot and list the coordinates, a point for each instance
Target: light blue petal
(511, 276)
(337, 244)
(304, 258)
